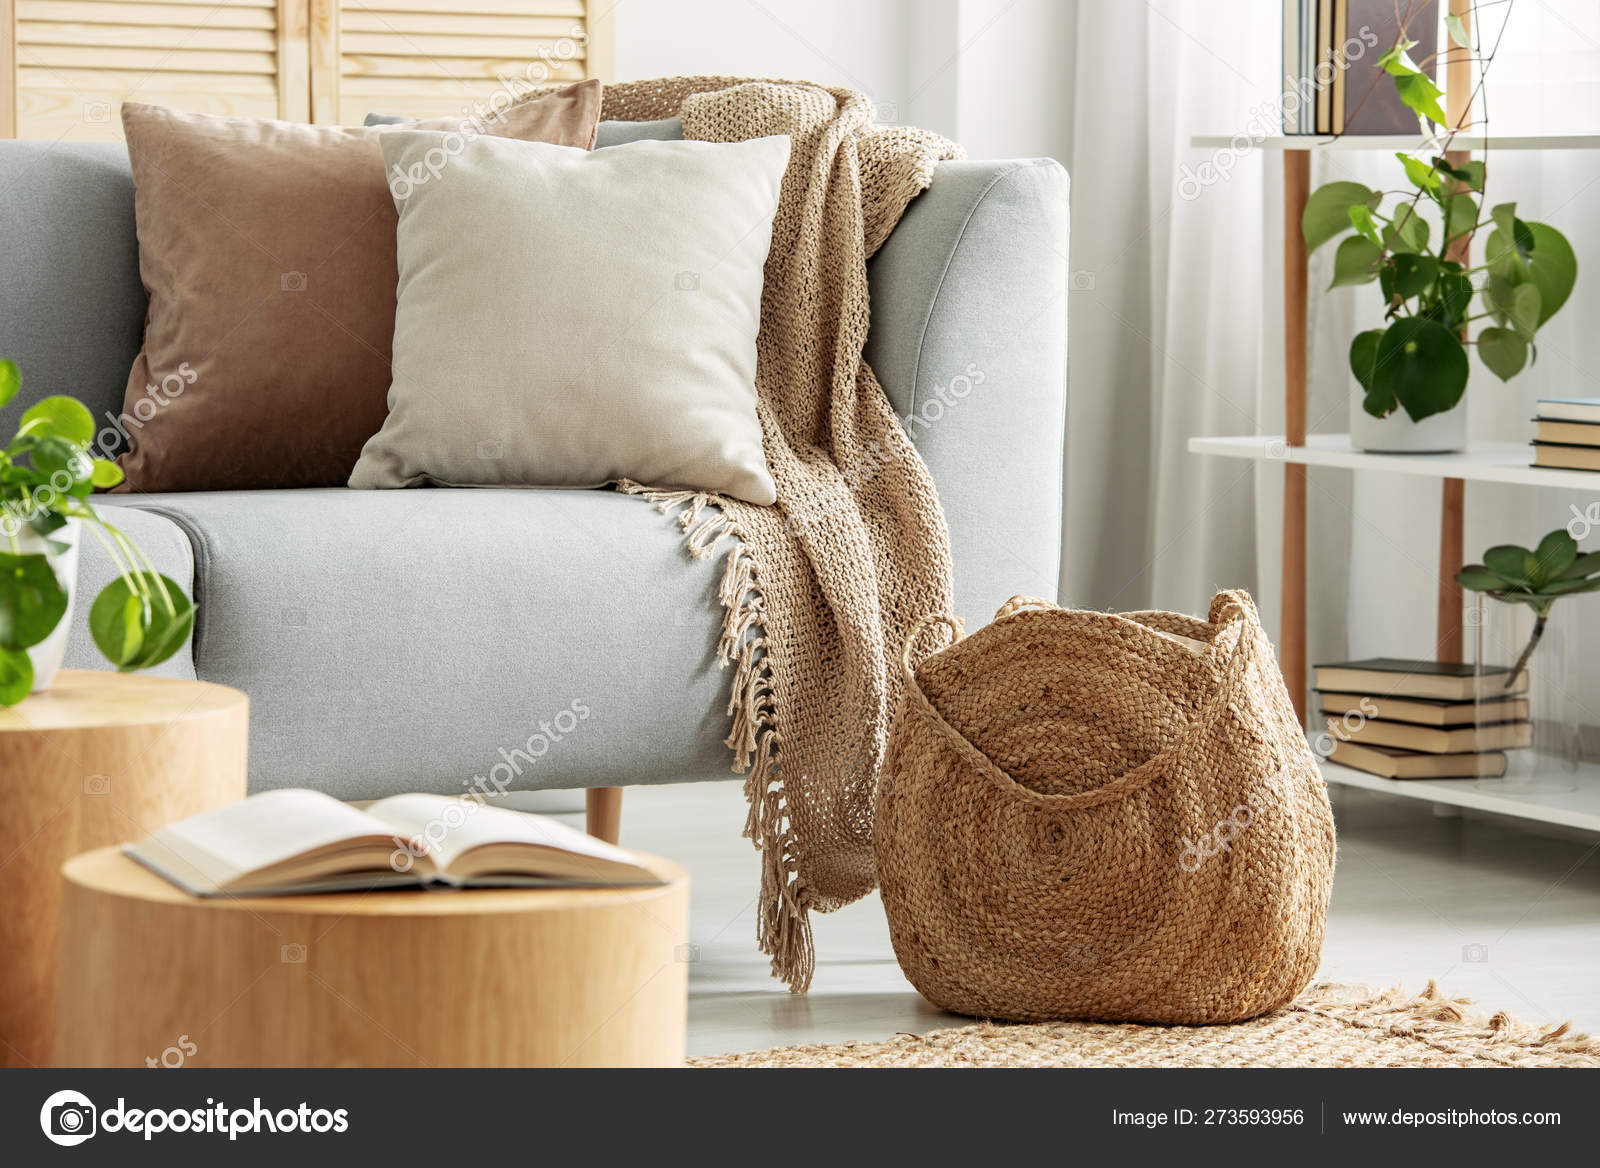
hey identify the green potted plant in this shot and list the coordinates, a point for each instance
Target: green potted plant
(1536, 578)
(46, 476)
(1415, 243)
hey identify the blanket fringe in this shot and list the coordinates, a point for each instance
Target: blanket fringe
(783, 925)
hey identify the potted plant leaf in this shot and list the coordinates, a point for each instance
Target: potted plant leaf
(1415, 243)
(1536, 578)
(46, 476)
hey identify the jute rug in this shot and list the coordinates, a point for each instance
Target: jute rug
(1327, 1026)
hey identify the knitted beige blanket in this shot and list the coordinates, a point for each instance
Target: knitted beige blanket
(819, 590)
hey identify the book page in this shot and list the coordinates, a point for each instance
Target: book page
(450, 826)
(212, 849)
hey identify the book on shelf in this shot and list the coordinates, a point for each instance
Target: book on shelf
(1566, 457)
(1569, 409)
(1433, 739)
(1330, 63)
(1325, 77)
(293, 841)
(1558, 433)
(1426, 711)
(1401, 678)
(1390, 763)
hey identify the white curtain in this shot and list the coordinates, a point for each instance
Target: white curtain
(1177, 325)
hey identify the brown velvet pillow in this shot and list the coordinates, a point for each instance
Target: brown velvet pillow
(268, 252)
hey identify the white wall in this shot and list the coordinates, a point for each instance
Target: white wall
(993, 74)
(856, 43)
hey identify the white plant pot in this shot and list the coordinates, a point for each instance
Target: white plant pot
(48, 653)
(1398, 434)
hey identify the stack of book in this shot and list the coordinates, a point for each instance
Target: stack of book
(1423, 719)
(1569, 433)
(1332, 81)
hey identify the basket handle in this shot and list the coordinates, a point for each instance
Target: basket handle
(1228, 610)
(1019, 602)
(957, 629)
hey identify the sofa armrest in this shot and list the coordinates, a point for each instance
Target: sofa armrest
(969, 340)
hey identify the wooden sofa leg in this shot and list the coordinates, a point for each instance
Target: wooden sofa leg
(604, 812)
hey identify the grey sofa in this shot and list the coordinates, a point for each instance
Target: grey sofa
(414, 640)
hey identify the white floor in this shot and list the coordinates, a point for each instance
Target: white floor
(1489, 908)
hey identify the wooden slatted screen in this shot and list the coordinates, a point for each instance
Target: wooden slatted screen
(437, 57)
(69, 64)
(78, 60)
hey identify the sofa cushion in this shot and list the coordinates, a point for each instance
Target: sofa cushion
(539, 340)
(268, 252)
(424, 640)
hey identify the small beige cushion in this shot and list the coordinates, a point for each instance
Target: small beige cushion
(569, 318)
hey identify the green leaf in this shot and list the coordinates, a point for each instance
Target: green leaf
(117, 621)
(1422, 364)
(1395, 62)
(1503, 259)
(1478, 579)
(1571, 587)
(1327, 211)
(1585, 565)
(16, 676)
(44, 522)
(1419, 174)
(1460, 216)
(52, 456)
(1418, 92)
(1497, 294)
(1457, 30)
(10, 381)
(105, 474)
(1523, 310)
(1515, 563)
(1551, 267)
(1407, 232)
(167, 631)
(1363, 355)
(1503, 351)
(32, 600)
(1361, 219)
(1504, 216)
(136, 634)
(1455, 300)
(1556, 552)
(1356, 262)
(60, 417)
(1413, 273)
(1469, 174)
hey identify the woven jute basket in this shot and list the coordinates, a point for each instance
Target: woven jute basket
(1107, 817)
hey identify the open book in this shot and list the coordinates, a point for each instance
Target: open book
(294, 841)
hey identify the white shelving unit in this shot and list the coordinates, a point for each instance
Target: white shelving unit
(1408, 143)
(1487, 462)
(1483, 462)
(1579, 807)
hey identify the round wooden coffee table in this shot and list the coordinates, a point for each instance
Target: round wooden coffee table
(416, 978)
(98, 758)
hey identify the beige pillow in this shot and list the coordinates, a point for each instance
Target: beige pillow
(570, 318)
(267, 249)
